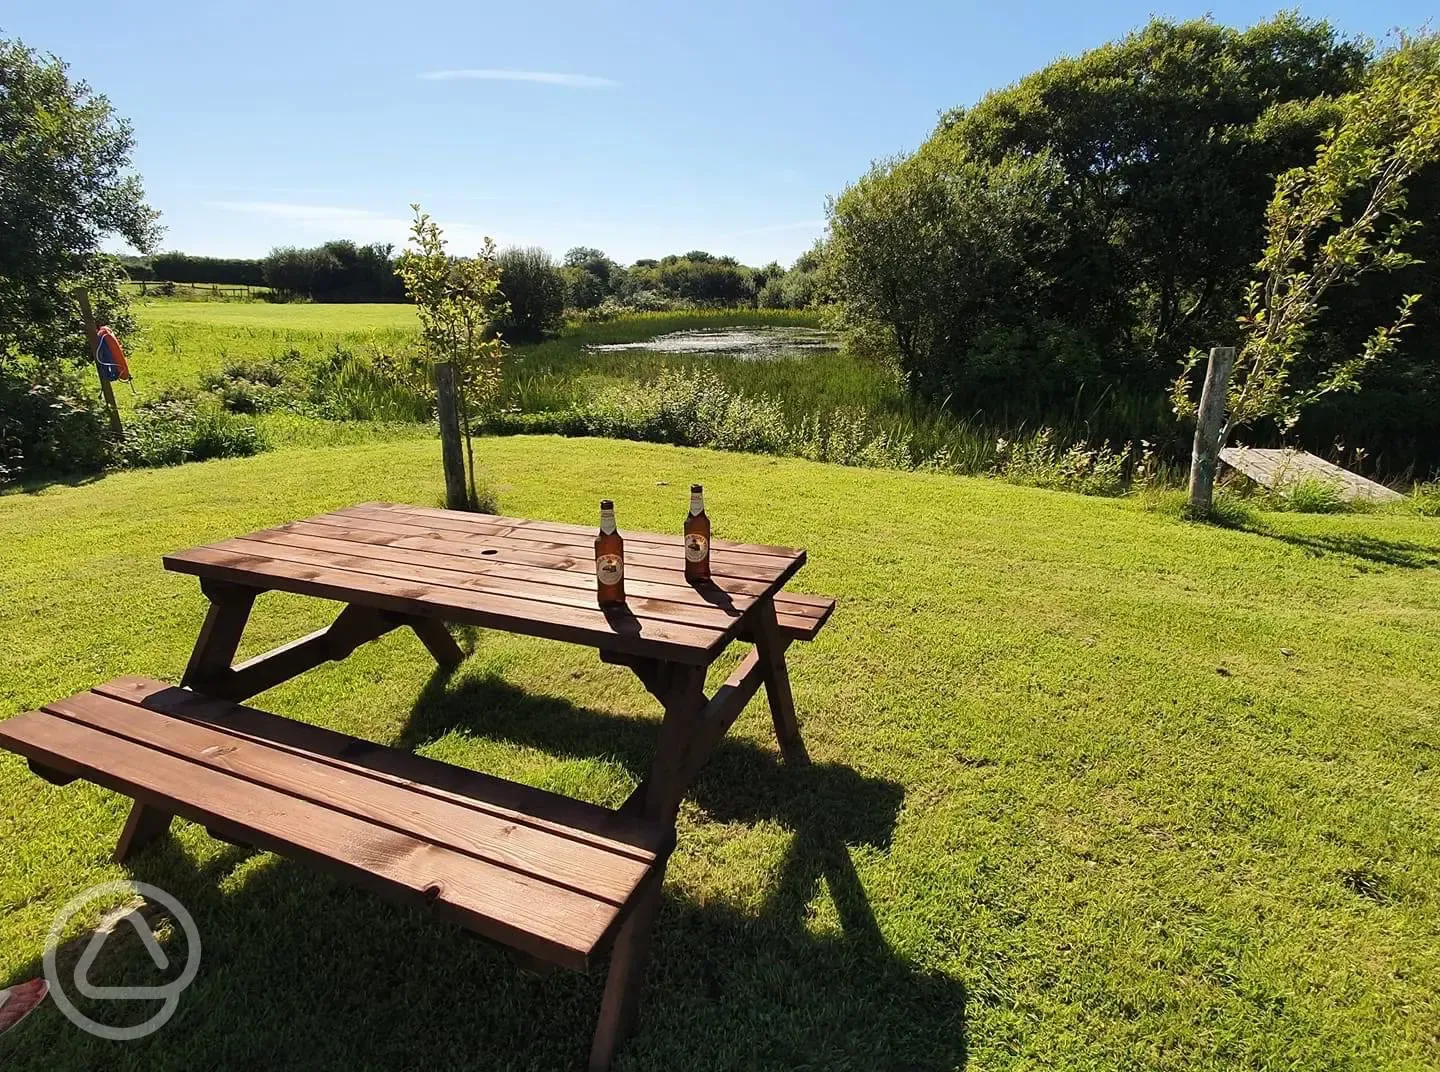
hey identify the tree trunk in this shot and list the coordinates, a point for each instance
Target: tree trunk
(447, 409)
(1209, 427)
(92, 338)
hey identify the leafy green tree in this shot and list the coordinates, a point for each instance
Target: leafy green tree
(1169, 140)
(1110, 206)
(1329, 224)
(65, 186)
(458, 302)
(534, 290)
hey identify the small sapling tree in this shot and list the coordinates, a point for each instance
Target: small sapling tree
(458, 304)
(1328, 224)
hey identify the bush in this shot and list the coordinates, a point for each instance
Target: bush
(171, 431)
(535, 289)
(1311, 495)
(252, 386)
(49, 423)
(1040, 463)
(1425, 499)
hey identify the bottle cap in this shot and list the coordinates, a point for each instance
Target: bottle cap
(607, 504)
(696, 488)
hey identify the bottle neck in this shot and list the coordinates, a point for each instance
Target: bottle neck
(697, 503)
(607, 521)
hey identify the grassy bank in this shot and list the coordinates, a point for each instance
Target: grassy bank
(1094, 788)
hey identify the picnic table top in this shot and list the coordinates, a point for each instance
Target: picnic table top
(533, 577)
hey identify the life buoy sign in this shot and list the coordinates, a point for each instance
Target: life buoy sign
(110, 356)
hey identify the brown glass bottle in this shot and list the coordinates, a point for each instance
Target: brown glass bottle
(697, 537)
(609, 558)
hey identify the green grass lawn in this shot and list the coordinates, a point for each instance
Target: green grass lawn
(1094, 788)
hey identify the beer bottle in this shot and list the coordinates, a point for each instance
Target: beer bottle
(609, 558)
(697, 537)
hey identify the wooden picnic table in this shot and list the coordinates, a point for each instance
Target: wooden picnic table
(555, 879)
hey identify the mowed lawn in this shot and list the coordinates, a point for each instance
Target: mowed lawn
(1094, 788)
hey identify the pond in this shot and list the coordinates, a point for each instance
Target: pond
(754, 343)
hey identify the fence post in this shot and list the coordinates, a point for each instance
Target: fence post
(1209, 419)
(92, 339)
(447, 409)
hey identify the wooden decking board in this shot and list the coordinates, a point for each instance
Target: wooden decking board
(1276, 468)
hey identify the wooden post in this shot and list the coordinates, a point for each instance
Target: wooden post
(447, 409)
(1209, 420)
(92, 339)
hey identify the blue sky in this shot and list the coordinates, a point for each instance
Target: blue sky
(642, 129)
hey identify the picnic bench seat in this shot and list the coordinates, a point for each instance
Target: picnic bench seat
(551, 877)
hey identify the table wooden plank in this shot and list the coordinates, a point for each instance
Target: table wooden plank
(701, 614)
(549, 921)
(613, 630)
(510, 843)
(745, 567)
(491, 566)
(488, 521)
(497, 796)
(559, 561)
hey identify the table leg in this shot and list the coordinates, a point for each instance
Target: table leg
(220, 635)
(770, 646)
(626, 976)
(214, 649)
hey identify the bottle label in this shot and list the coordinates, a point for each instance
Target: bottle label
(697, 547)
(697, 504)
(610, 569)
(607, 521)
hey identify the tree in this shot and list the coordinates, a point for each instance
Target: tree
(535, 291)
(65, 186)
(457, 303)
(1329, 224)
(1159, 153)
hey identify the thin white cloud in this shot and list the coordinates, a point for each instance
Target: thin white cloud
(798, 225)
(337, 221)
(549, 78)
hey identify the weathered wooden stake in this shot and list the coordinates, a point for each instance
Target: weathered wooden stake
(92, 338)
(447, 409)
(1209, 420)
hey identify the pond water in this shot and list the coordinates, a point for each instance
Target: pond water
(754, 343)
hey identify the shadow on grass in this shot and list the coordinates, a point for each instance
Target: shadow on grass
(30, 485)
(1403, 553)
(300, 970)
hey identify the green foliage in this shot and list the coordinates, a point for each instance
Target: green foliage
(1091, 222)
(1329, 224)
(64, 187)
(177, 267)
(534, 292)
(171, 431)
(1311, 495)
(338, 271)
(1041, 462)
(50, 422)
(1425, 499)
(458, 303)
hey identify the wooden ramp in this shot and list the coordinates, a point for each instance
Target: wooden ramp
(1277, 468)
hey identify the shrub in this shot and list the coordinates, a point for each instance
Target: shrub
(1311, 495)
(535, 289)
(252, 386)
(171, 431)
(1039, 462)
(49, 423)
(345, 386)
(1425, 499)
